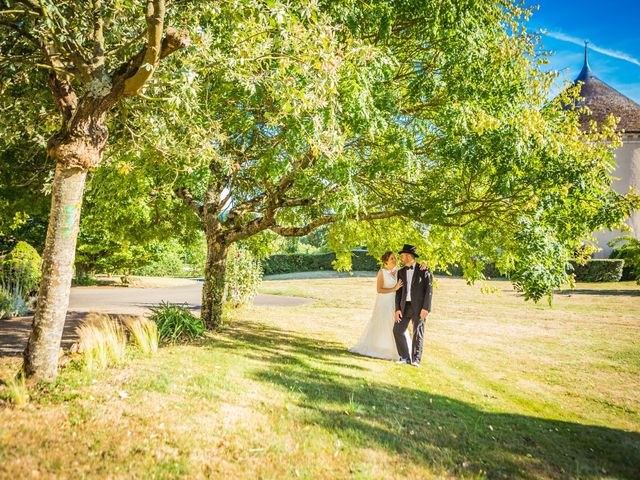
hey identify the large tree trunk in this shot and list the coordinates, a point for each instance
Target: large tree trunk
(213, 290)
(75, 152)
(42, 352)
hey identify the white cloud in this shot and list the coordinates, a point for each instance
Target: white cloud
(605, 51)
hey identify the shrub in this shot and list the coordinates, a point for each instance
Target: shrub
(84, 280)
(175, 323)
(243, 276)
(599, 270)
(21, 268)
(169, 263)
(19, 279)
(173, 259)
(630, 253)
(102, 341)
(143, 332)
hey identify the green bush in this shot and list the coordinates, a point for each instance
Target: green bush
(304, 262)
(629, 251)
(176, 323)
(243, 276)
(599, 270)
(84, 280)
(20, 271)
(168, 264)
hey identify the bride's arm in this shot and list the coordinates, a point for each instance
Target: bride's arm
(380, 282)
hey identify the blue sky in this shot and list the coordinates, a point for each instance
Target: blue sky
(612, 29)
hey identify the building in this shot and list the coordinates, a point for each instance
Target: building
(604, 100)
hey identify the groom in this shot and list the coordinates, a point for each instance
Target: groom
(413, 303)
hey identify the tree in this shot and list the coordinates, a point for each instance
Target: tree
(389, 121)
(81, 62)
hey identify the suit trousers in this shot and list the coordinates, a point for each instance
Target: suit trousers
(409, 314)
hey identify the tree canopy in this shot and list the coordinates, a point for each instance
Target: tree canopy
(426, 122)
(422, 122)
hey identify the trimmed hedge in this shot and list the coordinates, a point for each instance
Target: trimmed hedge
(361, 262)
(595, 270)
(307, 262)
(599, 270)
(628, 273)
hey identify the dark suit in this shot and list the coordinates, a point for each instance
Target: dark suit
(421, 294)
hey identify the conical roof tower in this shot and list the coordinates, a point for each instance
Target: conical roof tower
(603, 100)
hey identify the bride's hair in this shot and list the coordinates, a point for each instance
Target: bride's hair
(385, 256)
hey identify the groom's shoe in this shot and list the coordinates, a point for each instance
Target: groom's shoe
(402, 361)
(416, 364)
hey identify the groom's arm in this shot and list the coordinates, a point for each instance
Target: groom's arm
(399, 291)
(428, 294)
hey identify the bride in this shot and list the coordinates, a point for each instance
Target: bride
(377, 340)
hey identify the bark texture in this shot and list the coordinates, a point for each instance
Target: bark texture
(214, 291)
(43, 347)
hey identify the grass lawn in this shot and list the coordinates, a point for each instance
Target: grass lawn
(507, 389)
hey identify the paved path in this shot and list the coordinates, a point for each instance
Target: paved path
(14, 332)
(137, 301)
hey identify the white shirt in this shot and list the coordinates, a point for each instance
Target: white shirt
(409, 280)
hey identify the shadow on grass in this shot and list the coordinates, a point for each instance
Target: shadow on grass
(444, 434)
(606, 293)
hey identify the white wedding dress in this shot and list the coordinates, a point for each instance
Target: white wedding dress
(377, 340)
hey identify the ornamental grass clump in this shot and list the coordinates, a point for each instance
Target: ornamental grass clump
(17, 391)
(144, 333)
(176, 323)
(102, 342)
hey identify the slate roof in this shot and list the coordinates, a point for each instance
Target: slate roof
(603, 100)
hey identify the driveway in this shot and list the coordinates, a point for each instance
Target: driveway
(14, 332)
(136, 301)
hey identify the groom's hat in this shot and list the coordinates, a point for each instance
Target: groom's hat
(409, 249)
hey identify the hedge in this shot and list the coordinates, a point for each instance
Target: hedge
(599, 270)
(307, 262)
(361, 262)
(595, 270)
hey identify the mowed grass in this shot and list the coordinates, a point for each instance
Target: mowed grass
(507, 389)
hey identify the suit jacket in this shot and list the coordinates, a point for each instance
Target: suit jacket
(421, 289)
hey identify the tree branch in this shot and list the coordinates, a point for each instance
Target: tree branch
(21, 32)
(155, 22)
(268, 222)
(98, 40)
(325, 220)
(191, 201)
(173, 40)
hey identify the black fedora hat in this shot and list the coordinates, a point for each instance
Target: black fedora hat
(409, 249)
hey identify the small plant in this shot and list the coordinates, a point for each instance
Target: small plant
(143, 332)
(102, 342)
(6, 303)
(175, 323)
(13, 304)
(17, 389)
